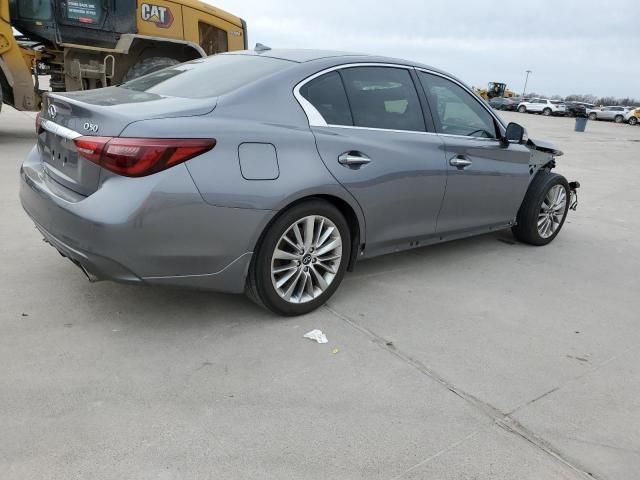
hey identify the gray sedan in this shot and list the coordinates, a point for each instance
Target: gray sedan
(273, 172)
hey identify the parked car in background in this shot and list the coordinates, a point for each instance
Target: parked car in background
(501, 103)
(542, 105)
(576, 109)
(612, 113)
(276, 179)
(632, 117)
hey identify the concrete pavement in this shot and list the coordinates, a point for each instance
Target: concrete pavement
(477, 359)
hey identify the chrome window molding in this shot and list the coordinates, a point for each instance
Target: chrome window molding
(59, 130)
(375, 129)
(317, 120)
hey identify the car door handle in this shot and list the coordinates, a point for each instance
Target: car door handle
(353, 159)
(460, 161)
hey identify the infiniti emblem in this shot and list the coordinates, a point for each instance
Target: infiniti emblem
(53, 111)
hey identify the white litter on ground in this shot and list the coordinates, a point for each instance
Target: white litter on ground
(316, 335)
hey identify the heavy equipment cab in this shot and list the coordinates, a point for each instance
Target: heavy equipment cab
(493, 90)
(86, 44)
(84, 22)
(496, 89)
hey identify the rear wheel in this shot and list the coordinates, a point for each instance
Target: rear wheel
(544, 209)
(633, 120)
(522, 109)
(301, 260)
(148, 65)
(593, 116)
(546, 112)
(618, 119)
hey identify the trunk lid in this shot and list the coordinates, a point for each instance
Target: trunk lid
(105, 112)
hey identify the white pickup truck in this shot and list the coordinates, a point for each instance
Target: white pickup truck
(542, 105)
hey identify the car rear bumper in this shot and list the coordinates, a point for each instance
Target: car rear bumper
(154, 230)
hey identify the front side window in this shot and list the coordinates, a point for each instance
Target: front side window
(212, 39)
(456, 111)
(383, 97)
(326, 93)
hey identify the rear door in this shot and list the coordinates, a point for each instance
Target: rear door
(537, 105)
(607, 113)
(486, 181)
(371, 134)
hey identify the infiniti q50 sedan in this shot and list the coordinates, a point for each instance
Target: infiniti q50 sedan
(271, 172)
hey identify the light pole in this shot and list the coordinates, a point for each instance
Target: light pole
(525, 83)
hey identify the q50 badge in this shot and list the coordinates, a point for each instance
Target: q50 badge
(161, 16)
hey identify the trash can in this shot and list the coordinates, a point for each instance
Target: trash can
(581, 124)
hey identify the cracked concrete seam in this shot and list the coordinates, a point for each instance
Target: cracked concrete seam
(502, 420)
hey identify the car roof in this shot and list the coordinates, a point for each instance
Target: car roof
(297, 55)
(300, 55)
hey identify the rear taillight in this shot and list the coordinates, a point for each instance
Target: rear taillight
(138, 157)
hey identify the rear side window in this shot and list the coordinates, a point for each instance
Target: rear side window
(456, 111)
(383, 97)
(326, 93)
(208, 77)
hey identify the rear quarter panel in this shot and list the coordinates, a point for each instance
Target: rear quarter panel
(250, 116)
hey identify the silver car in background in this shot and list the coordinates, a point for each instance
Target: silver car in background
(272, 172)
(614, 113)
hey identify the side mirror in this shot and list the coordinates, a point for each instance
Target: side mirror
(515, 134)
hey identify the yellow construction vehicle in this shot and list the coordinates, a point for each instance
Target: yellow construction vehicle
(85, 44)
(495, 89)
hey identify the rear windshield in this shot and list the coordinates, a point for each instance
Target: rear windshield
(208, 77)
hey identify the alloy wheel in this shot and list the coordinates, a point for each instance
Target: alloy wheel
(306, 259)
(552, 211)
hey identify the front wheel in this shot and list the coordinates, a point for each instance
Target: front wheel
(301, 260)
(522, 109)
(593, 116)
(633, 120)
(543, 210)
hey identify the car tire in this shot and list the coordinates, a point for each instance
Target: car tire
(593, 116)
(618, 119)
(543, 210)
(546, 112)
(522, 109)
(304, 280)
(148, 65)
(633, 120)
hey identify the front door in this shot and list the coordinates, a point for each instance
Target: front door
(371, 135)
(486, 181)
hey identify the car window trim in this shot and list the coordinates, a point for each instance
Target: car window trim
(317, 120)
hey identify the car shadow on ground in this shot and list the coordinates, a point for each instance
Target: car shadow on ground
(172, 307)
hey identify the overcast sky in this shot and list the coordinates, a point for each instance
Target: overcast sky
(572, 46)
